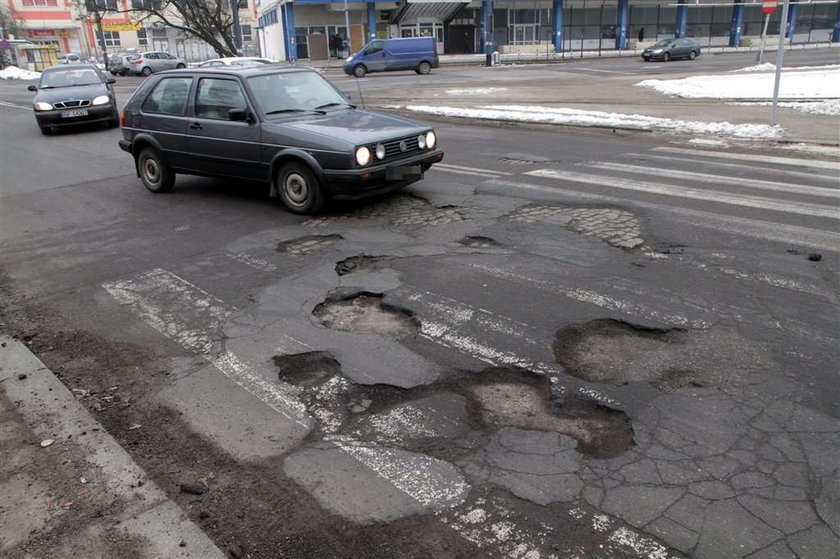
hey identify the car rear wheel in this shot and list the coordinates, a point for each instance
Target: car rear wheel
(424, 68)
(359, 71)
(113, 73)
(666, 57)
(146, 71)
(123, 72)
(154, 172)
(299, 188)
(179, 66)
(692, 55)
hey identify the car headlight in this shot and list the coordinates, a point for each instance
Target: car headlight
(431, 139)
(657, 51)
(41, 106)
(101, 100)
(421, 141)
(380, 151)
(362, 156)
(349, 58)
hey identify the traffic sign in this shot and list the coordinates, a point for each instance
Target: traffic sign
(769, 6)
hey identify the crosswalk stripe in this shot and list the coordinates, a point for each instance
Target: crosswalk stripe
(811, 176)
(784, 233)
(720, 179)
(460, 172)
(473, 169)
(791, 161)
(692, 193)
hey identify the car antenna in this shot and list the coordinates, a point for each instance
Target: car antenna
(359, 86)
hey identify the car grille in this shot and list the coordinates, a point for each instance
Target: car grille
(394, 149)
(72, 104)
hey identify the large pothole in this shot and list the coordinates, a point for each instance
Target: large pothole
(619, 352)
(401, 209)
(365, 312)
(307, 244)
(614, 226)
(358, 263)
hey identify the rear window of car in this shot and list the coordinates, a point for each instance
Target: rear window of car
(169, 97)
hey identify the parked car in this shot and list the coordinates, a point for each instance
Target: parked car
(68, 95)
(235, 61)
(149, 62)
(383, 55)
(69, 58)
(121, 63)
(669, 49)
(288, 127)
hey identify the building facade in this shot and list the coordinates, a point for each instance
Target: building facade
(287, 27)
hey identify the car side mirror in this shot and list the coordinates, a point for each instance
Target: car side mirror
(110, 81)
(32, 88)
(239, 115)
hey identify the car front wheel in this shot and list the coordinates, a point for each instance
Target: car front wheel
(359, 71)
(179, 66)
(666, 57)
(424, 68)
(154, 172)
(299, 188)
(692, 55)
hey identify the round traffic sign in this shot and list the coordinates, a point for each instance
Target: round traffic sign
(769, 6)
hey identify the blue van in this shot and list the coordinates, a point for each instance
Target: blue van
(383, 55)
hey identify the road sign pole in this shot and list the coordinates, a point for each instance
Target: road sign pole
(763, 39)
(780, 58)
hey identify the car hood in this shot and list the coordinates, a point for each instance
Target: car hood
(71, 93)
(353, 126)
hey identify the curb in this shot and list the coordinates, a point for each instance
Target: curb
(51, 411)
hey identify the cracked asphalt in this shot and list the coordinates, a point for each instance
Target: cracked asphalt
(496, 362)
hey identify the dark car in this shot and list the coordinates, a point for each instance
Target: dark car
(288, 127)
(670, 49)
(74, 94)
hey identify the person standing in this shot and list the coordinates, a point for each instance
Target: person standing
(641, 34)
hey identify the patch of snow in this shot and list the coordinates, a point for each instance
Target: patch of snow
(476, 91)
(830, 151)
(15, 73)
(708, 142)
(766, 67)
(551, 115)
(829, 107)
(799, 83)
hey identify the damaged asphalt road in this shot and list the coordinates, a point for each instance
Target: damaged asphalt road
(463, 369)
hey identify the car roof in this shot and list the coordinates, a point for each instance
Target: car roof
(68, 68)
(244, 71)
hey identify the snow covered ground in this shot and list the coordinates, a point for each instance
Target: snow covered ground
(755, 83)
(15, 73)
(829, 107)
(552, 115)
(476, 91)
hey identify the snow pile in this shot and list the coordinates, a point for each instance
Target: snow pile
(15, 73)
(829, 107)
(766, 67)
(476, 91)
(795, 84)
(551, 115)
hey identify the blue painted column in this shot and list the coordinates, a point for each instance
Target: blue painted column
(621, 24)
(371, 13)
(737, 23)
(557, 24)
(486, 16)
(835, 35)
(682, 19)
(792, 12)
(289, 28)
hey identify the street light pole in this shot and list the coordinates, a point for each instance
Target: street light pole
(237, 28)
(101, 35)
(347, 25)
(780, 57)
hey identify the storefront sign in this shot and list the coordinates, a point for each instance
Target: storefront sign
(42, 33)
(120, 26)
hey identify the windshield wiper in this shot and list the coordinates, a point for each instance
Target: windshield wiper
(278, 111)
(324, 106)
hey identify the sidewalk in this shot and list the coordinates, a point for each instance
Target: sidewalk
(67, 488)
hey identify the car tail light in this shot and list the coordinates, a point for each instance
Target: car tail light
(139, 61)
(122, 118)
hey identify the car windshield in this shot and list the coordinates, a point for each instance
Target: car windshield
(294, 92)
(663, 43)
(68, 78)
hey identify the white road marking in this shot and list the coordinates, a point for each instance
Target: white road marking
(745, 200)
(14, 106)
(253, 261)
(812, 176)
(459, 172)
(780, 232)
(166, 302)
(473, 169)
(721, 180)
(766, 159)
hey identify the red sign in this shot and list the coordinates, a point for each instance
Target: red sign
(41, 33)
(769, 6)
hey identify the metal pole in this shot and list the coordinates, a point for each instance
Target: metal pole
(347, 28)
(763, 38)
(237, 28)
(101, 36)
(780, 57)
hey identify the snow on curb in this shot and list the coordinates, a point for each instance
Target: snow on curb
(15, 73)
(476, 91)
(829, 107)
(551, 115)
(817, 83)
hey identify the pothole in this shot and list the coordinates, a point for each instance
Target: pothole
(365, 312)
(356, 263)
(477, 241)
(306, 369)
(619, 352)
(616, 227)
(400, 209)
(307, 244)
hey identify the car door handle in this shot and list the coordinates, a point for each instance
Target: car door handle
(195, 126)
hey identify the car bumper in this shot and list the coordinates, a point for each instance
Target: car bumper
(99, 113)
(369, 181)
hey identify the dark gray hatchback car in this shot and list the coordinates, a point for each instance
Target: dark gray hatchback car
(288, 127)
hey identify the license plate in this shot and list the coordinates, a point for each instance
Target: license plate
(75, 112)
(403, 172)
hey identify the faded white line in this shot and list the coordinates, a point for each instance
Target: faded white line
(741, 166)
(253, 261)
(459, 172)
(784, 206)
(474, 169)
(14, 106)
(721, 180)
(766, 159)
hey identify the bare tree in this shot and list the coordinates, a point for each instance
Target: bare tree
(208, 20)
